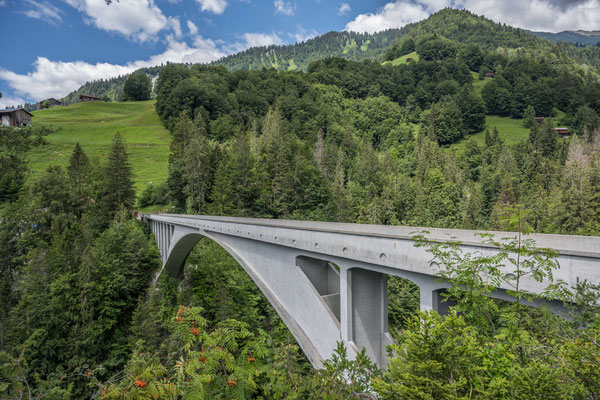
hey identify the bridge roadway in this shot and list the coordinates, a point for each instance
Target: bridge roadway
(328, 281)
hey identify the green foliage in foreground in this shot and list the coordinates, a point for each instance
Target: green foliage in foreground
(93, 125)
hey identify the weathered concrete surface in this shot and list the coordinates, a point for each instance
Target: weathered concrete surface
(328, 281)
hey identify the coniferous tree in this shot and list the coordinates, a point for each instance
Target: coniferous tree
(118, 178)
(242, 172)
(79, 170)
(197, 170)
(221, 195)
(342, 204)
(547, 139)
(529, 117)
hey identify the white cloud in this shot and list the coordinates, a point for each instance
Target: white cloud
(284, 7)
(58, 78)
(192, 28)
(42, 10)
(344, 8)
(6, 101)
(175, 26)
(392, 15)
(215, 6)
(302, 34)
(261, 39)
(252, 39)
(2, 3)
(538, 15)
(137, 19)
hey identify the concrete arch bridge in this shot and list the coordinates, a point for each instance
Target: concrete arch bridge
(328, 281)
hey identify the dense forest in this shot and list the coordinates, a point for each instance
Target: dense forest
(344, 140)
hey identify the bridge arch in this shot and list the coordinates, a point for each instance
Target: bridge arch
(183, 241)
(273, 253)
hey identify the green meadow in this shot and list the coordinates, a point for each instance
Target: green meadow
(478, 83)
(402, 60)
(511, 131)
(94, 125)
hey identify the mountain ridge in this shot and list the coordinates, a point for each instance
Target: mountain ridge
(461, 26)
(578, 37)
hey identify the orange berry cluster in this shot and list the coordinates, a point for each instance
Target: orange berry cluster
(140, 384)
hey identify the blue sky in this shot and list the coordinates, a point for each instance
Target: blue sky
(51, 47)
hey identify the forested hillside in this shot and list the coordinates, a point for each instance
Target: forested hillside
(579, 38)
(343, 140)
(107, 89)
(458, 25)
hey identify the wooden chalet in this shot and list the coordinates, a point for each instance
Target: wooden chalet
(15, 117)
(51, 102)
(87, 97)
(488, 75)
(563, 132)
(539, 119)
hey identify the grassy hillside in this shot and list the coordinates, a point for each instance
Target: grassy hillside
(93, 125)
(402, 60)
(510, 130)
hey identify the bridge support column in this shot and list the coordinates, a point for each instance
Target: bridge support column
(367, 312)
(431, 294)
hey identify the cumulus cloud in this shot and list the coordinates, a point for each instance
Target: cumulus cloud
(539, 15)
(392, 15)
(175, 26)
(302, 34)
(192, 28)
(214, 6)
(41, 10)
(58, 78)
(261, 39)
(253, 39)
(344, 8)
(136, 19)
(6, 101)
(284, 7)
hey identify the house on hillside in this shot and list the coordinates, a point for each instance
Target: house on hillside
(563, 132)
(87, 97)
(539, 119)
(51, 102)
(488, 75)
(15, 117)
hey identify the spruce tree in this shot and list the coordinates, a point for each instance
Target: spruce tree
(221, 194)
(183, 130)
(243, 174)
(547, 141)
(197, 171)
(79, 170)
(529, 117)
(118, 178)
